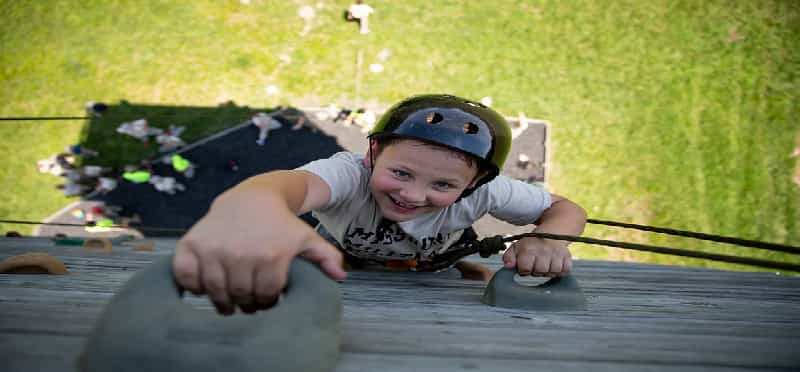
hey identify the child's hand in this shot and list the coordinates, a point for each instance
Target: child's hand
(239, 255)
(538, 257)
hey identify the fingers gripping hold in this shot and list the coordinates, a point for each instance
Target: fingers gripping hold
(215, 282)
(325, 255)
(186, 266)
(234, 270)
(256, 278)
(268, 285)
(240, 281)
(535, 257)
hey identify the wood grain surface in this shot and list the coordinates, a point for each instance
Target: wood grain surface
(640, 318)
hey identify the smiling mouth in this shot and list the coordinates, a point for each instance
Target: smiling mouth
(403, 205)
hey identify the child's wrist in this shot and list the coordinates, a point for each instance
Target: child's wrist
(556, 244)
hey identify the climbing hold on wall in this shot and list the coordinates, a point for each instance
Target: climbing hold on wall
(102, 245)
(146, 327)
(557, 294)
(33, 263)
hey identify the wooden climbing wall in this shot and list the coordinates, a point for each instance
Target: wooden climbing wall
(639, 317)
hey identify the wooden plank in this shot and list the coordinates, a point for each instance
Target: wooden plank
(40, 352)
(415, 363)
(29, 356)
(640, 317)
(559, 344)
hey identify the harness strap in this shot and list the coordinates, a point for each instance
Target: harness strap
(467, 244)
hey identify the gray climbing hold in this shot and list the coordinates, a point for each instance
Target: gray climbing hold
(146, 327)
(557, 294)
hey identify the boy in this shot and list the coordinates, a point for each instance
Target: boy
(412, 198)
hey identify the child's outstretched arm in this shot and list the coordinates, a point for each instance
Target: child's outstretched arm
(239, 252)
(546, 257)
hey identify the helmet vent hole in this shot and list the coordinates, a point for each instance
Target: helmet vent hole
(470, 128)
(433, 118)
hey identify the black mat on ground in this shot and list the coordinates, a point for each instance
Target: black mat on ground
(284, 149)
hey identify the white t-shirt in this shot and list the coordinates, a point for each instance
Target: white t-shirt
(106, 183)
(353, 218)
(360, 11)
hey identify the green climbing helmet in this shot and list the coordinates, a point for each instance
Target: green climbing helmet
(453, 122)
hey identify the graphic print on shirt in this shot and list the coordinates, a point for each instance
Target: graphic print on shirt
(390, 242)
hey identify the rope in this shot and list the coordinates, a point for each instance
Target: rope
(492, 245)
(701, 236)
(92, 224)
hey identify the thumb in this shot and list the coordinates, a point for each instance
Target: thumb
(326, 256)
(510, 257)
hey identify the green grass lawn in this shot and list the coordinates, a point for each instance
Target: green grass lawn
(671, 113)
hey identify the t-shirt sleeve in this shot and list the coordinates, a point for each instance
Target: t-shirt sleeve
(514, 201)
(344, 173)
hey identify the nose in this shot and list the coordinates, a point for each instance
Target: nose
(413, 193)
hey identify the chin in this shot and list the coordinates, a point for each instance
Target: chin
(396, 217)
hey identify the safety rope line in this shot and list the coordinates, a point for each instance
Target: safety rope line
(34, 118)
(495, 244)
(92, 224)
(701, 236)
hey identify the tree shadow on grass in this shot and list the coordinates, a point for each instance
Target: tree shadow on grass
(284, 149)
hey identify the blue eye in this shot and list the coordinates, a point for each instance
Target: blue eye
(400, 173)
(442, 185)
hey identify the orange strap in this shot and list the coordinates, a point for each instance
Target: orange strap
(399, 264)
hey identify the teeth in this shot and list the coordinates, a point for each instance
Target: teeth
(404, 205)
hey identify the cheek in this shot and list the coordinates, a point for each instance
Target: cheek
(381, 183)
(441, 200)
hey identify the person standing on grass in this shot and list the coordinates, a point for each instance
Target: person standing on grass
(85, 172)
(167, 185)
(80, 150)
(297, 117)
(360, 12)
(105, 185)
(431, 170)
(71, 188)
(264, 123)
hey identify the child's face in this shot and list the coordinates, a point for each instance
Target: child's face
(411, 178)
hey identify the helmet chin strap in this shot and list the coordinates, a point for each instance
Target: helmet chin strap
(373, 144)
(466, 192)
